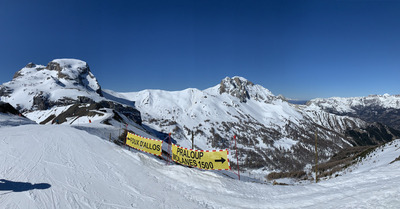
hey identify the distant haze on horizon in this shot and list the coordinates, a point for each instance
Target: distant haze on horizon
(300, 49)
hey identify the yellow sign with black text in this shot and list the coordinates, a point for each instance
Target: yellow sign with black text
(207, 160)
(151, 146)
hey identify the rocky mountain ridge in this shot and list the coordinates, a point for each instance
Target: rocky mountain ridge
(244, 90)
(374, 108)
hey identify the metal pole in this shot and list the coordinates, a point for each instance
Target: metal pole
(192, 139)
(316, 158)
(169, 158)
(237, 157)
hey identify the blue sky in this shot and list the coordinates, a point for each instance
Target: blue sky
(300, 49)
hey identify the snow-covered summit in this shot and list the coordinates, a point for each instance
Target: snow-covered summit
(70, 63)
(74, 70)
(243, 89)
(65, 91)
(62, 79)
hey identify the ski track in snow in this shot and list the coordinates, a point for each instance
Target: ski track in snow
(85, 171)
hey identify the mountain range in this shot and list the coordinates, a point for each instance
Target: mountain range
(272, 134)
(374, 108)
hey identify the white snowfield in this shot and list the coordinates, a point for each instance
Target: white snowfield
(69, 168)
(13, 120)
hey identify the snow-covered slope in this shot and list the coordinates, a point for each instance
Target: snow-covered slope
(13, 120)
(48, 166)
(375, 108)
(344, 105)
(9, 116)
(272, 134)
(378, 158)
(37, 87)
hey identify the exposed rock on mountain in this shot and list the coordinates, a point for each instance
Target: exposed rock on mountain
(64, 91)
(236, 87)
(7, 108)
(244, 90)
(375, 108)
(77, 72)
(373, 134)
(9, 116)
(38, 87)
(5, 91)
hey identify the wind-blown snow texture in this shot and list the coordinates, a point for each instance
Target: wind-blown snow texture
(85, 171)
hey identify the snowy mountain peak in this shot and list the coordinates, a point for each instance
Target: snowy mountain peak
(36, 86)
(235, 85)
(30, 65)
(77, 71)
(67, 65)
(69, 68)
(244, 89)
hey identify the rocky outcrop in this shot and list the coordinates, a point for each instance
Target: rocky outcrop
(5, 91)
(373, 134)
(84, 73)
(40, 102)
(54, 66)
(96, 108)
(19, 73)
(128, 111)
(236, 87)
(7, 108)
(245, 90)
(30, 65)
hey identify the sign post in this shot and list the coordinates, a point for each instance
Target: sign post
(169, 149)
(237, 158)
(192, 139)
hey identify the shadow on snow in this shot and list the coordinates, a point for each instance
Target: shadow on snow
(14, 186)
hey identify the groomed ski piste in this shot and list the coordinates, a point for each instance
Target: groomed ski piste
(60, 166)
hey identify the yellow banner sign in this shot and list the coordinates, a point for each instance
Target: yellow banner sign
(207, 160)
(151, 146)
